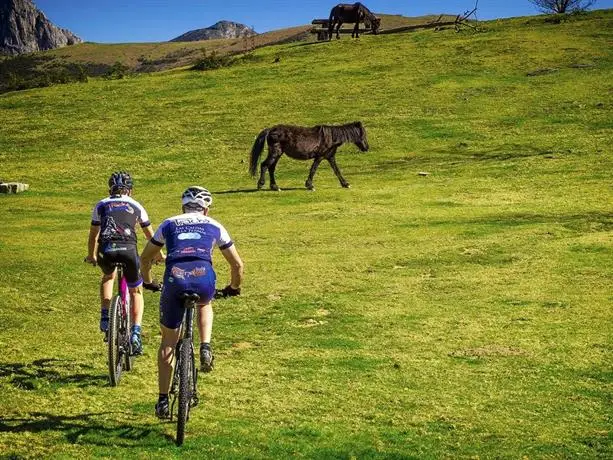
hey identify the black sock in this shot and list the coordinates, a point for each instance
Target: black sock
(205, 345)
(163, 397)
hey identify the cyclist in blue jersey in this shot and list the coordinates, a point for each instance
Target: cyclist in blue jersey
(190, 239)
(112, 239)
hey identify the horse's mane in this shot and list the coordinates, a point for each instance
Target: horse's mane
(350, 132)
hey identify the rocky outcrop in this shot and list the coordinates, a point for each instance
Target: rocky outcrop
(24, 28)
(223, 29)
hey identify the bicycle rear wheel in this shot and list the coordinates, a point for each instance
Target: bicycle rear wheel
(115, 341)
(186, 372)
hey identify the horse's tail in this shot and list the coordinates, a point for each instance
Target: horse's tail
(256, 150)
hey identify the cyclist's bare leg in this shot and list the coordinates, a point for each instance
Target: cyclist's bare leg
(106, 290)
(137, 302)
(166, 354)
(205, 322)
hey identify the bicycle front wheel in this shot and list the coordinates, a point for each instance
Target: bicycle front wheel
(186, 391)
(115, 341)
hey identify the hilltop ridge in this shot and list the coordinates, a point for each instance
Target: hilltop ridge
(221, 29)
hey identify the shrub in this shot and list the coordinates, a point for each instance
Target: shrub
(35, 71)
(117, 71)
(212, 61)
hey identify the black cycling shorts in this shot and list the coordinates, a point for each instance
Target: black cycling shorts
(110, 254)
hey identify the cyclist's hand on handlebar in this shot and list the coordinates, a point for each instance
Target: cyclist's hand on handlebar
(91, 260)
(153, 286)
(228, 291)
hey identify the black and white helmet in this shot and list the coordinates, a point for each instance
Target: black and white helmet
(197, 196)
(120, 180)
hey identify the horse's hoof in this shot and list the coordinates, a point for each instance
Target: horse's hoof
(346, 186)
(275, 188)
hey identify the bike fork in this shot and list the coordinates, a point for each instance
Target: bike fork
(195, 399)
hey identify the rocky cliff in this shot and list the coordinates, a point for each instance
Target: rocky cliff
(24, 28)
(222, 29)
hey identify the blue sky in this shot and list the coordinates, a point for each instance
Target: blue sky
(120, 21)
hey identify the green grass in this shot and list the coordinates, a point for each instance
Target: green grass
(466, 313)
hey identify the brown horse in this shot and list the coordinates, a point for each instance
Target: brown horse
(303, 143)
(357, 12)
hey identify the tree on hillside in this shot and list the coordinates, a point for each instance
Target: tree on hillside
(562, 6)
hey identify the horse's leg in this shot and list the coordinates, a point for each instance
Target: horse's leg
(356, 30)
(265, 165)
(309, 182)
(338, 27)
(276, 155)
(263, 168)
(337, 171)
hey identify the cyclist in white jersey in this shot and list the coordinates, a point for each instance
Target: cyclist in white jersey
(190, 239)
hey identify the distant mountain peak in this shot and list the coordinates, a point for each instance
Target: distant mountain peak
(24, 29)
(221, 29)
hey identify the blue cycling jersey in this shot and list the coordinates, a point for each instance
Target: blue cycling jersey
(191, 236)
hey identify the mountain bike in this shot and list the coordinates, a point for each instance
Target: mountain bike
(185, 378)
(119, 347)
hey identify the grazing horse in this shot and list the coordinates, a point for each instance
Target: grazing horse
(345, 12)
(303, 143)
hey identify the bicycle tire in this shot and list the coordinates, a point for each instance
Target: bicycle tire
(185, 388)
(128, 363)
(114, 341)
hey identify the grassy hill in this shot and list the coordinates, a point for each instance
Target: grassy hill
(96, 59)
(465, 313)
(165, 55)
(159, 56)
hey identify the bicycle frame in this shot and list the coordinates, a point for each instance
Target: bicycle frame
(122, 291)
(119, 349)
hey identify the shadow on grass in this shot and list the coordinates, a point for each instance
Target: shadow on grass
(88, 427)
(253, 190)
(509, 152)
(588, 222)
(459, 154)
(51, 371)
